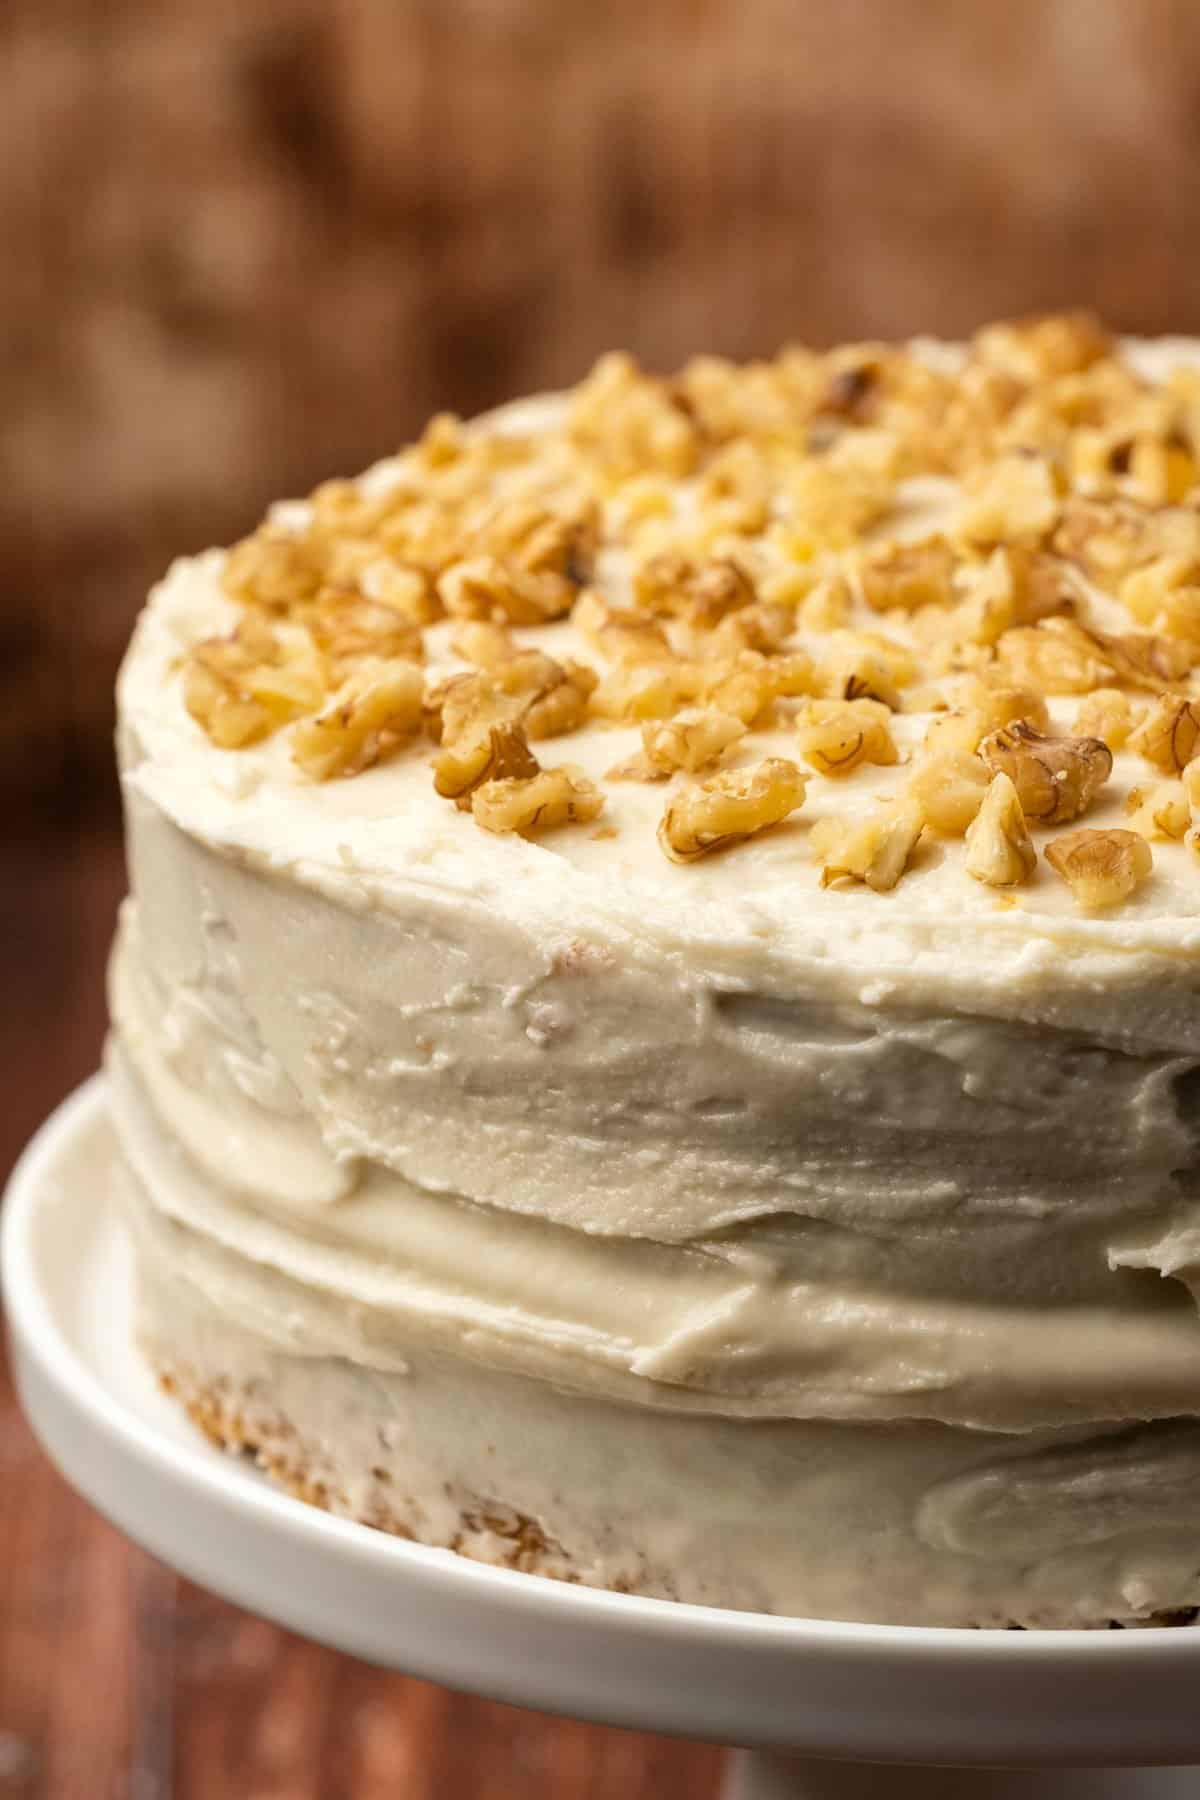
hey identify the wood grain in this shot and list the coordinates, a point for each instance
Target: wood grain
(119, 1681)
(250, 246)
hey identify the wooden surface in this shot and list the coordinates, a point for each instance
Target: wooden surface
(119, 1681)
(251, 243)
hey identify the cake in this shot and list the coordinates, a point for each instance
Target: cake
(656, 1027)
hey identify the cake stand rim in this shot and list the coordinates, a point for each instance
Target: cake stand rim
(756, 1678)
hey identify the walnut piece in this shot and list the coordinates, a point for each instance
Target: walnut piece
(907, 576)
(1101, 868)
(1161, 811)
(1014, 500)
(531, 804)
(1056, 656)
(1000, 852)
(836, 736)
(875, 850)
(375, 708)
(866, 666)
(243, 687)
(949, 788)
(502, 753)
(484, 587)
(1169, 735)
(729, 807)
(694, 738)
(1055, 778)
(1106, 713)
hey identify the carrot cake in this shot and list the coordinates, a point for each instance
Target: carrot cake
(656, 1029)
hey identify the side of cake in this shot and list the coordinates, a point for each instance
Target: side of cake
(745, 1151)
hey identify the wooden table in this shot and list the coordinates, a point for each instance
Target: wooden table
(119, 1681)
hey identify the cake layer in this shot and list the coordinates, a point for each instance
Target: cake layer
(908, 1522)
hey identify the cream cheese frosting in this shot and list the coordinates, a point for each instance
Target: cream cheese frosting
(708, 1140)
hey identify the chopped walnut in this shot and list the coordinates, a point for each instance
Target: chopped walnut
(1161, 811)
(1038, 349)
(908, 576)
(729, 807)
(749, 684)
(483, 587)
(1149, 591)
(1000, 852)
(483, 643)
(621, 635)
(531, 804)
(1014, 500)
(1055, 778)
(866, 666)
(875, 850)
(631, 423)
(274, 569)
(836, 736)
(503, 753)
(704, 593)
(547, 697)
(635, 692)
(1101, 868)
(348, 628)
(826, 605)
(1106, 713)
(407, 591)
(376, 708)
(1169, 734)
(243, 687)
(949, 788)
(1144, 660)
(692, 740)
(1056, 656)
(763, 628)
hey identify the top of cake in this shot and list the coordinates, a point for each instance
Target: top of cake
(881, 658)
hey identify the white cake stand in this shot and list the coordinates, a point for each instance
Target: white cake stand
(1068, 1714)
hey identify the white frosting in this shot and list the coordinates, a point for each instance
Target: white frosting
(704, 1138)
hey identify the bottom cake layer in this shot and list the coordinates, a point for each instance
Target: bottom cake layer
(895, 1522)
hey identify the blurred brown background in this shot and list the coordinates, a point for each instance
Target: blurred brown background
(250, 243)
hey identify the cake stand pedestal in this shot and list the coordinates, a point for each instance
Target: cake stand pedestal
(827, 1711)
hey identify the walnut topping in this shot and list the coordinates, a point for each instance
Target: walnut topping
(1041, 348)
(1146, 661)
(1169, 735)
(693, 739)
(731, 806)
(243, 687)
(866, 666)
(1055, 778)
(501, 753)
(949, 787)
(874, 850)
(531, 804)
(909, 576)
(1000, 851)
(1015, 500)
(483, 643)
(483, 587)
(836, 736)
(374, 710)
(1056, 656)
(1101, 868)
(548, 698)
(1107, 713)
(648, 691)
(702, 593)
(1161, 811)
